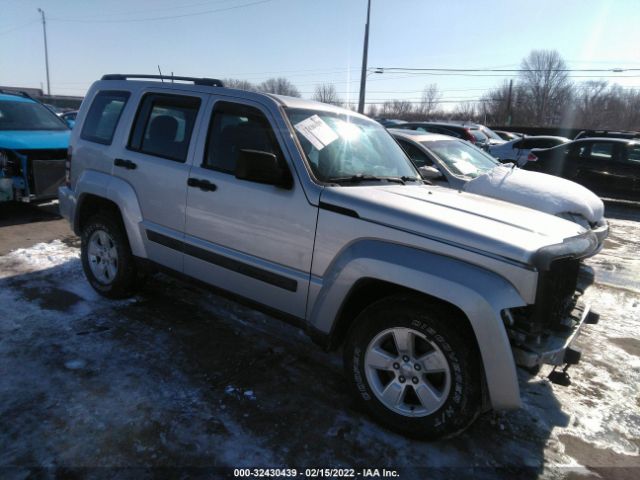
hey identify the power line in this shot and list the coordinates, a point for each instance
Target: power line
(149, 10)
(519, 70)
(168, 17)
(17, 27)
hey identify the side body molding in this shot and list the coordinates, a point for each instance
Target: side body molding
(479, 293)
(122, 194)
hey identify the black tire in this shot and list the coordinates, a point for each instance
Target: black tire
(441, 326)
(126, 281)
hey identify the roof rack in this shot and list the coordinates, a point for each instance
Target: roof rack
(210, 82)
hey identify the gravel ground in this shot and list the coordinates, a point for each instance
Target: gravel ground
(180, 377)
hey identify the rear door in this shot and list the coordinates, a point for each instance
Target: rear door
(154, 162)
(252, 239)
(630, 168)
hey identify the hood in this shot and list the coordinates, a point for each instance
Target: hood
(34, 139)
(547, 193)
(471, 221)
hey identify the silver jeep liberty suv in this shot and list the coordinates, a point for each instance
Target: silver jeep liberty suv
(314, 213)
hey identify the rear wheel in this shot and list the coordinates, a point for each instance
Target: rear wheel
(412, 369)
(106, 257)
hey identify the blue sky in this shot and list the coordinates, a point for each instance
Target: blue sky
(312, 41)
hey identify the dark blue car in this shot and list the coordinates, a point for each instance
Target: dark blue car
(33, 149)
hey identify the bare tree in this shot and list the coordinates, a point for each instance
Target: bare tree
(400, 109)
(545, 84)
(495, 104)
(465, 111)
(279, 86)
(239, 84)
(326, 93)
(372, 111)
(629, 117)
(430, 100)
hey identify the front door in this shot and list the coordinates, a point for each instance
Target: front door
(251, 239)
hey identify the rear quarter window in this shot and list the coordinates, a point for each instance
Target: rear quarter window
(479, 136)
(103, 116)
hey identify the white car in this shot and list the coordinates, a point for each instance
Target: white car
(518, 150)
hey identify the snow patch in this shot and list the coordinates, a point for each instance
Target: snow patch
(39, 257)
(539, 191)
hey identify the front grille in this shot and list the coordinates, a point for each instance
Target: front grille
(45, 171)
(555, 298)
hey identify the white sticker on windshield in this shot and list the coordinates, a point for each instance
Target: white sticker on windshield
(316, 131)
(465, 167)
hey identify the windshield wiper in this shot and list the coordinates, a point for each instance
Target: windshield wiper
(359, 178)
(405, 178)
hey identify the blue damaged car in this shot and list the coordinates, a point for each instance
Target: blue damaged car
(33, 149)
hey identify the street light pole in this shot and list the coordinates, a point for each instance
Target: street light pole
(46, 52)
(363, 76)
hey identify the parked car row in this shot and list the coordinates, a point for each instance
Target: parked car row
(456, 164)
(604, 161)
(473, 133)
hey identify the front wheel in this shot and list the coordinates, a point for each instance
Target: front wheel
(412, 369)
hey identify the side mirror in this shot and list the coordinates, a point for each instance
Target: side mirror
(262, 167)
(70, 123)
(430, 173)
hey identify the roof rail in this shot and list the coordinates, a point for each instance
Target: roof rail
(210, 82)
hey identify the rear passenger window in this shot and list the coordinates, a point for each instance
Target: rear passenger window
(633, 153)
(602, 150)
(163, 126)
(102, 118)
(235, 127)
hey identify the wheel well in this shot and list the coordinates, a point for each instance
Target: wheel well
(92, 204)
(367, 291)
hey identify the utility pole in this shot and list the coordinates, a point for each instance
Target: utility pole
(363, 76)
(46, 53)
(509, 103)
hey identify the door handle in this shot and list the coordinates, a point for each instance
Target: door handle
(128, 164)
(204, 185)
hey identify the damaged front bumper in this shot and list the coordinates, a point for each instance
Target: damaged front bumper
(554, 347)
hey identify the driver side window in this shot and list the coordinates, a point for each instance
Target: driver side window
(417, 156)
(235, 127)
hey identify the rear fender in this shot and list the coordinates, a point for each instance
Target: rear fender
(122, 194)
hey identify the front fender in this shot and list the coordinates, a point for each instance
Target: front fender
(122, 194)
(479, 293)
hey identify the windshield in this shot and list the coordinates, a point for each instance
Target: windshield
(461, 158)
(340, 146)
(22, 115)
